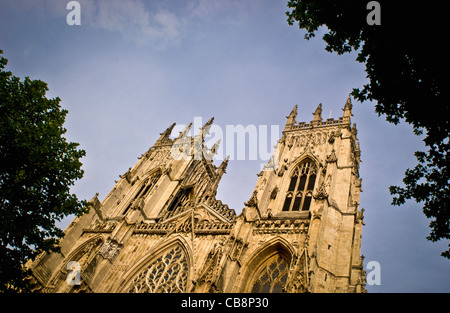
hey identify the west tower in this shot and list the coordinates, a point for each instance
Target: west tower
(304, 211)
(161, 228)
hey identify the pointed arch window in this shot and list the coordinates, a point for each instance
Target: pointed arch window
(272, 275)
(167, 274)
(143, 190)
(177, 205)
(180, 199)
(301, 186)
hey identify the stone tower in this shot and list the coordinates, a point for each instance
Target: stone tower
(304, 211)
(161, 228)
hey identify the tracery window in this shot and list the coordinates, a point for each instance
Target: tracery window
(272, 277)
(301, 186)
(167, 274)
(178, 202)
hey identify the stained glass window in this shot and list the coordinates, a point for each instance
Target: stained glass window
(300, 190)
(167, 274)
(272, 277)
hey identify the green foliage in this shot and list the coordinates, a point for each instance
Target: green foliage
(406, 65)
(37, 168)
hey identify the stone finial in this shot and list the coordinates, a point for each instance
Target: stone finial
(204, 131)
(223, 167)
(207, 125)
(291, 118)
(213, 151)
(184, 132)
(253, 201)
(318, 113)
(348, 107)
(220, 171)
(215, 147)
(168, 131)
(95, 202)
(165, 135)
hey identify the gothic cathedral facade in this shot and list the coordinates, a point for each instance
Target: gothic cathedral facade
(161, 228)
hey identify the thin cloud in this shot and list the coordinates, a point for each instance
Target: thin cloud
(134, 21)
(234, 11)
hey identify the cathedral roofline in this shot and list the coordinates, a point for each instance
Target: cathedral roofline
(328, 122)
(292, 124)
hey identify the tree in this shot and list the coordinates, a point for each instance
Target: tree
(37, 168)
(406, 64)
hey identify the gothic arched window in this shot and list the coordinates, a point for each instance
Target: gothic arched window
(272, 275)
(143, 190)
(167, 274)
(301, 186)
(178, 203)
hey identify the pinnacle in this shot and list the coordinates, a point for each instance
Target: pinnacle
(293, 112)
(168, 131)
(318, 113)
(348, 107)
(208, 123)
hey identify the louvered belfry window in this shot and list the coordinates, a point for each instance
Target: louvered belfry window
(301, 186)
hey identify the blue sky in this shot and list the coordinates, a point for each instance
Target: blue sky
(134, 67)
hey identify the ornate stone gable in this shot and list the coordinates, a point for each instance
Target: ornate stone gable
(202, 220)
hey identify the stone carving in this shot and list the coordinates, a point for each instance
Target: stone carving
(321, 193)
(318, 113)
(298, 279)
(273, 194)
(280, 227)
(253, 201)
(360, 216)
(334, 134)
(211, 268)
(317, 213)
(85, 254)
(283, 168)
(137, 204)
(166, 169)
(110, 249)
(331, 158)
(127, 175)
(99, 226)
(239, 245)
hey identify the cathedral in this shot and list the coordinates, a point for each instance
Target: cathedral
(162, 230)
